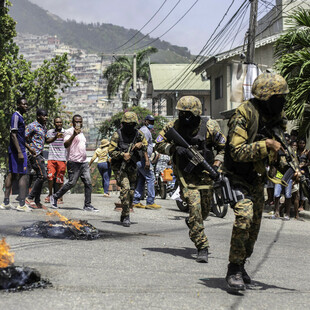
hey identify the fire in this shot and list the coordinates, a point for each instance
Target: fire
(6, 257)
(76, 224)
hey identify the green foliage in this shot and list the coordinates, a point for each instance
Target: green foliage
(48, 82)
(41, 87)
(109, 126)
(293, 52)
(94, 37)
(120, 72)
(96, 181)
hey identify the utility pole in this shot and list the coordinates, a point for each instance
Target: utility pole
(252, 32)
(134, 73)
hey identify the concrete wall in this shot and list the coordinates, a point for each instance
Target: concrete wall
(263, 57)
(221, 104)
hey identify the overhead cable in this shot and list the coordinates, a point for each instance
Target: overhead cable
(190, 66)
(139, 31)
(128, 47)
(141, 47)
(211, 41)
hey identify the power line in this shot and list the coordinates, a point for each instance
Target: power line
(190, 66)
(278, 16)
(213, 41)
(271, 23)
(221, 37)
(238, 31)
(155, 27)
(117, 48)
(171, 26)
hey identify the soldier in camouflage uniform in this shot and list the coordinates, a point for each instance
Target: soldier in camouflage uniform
(196, 187)
(245, 157)
(119, 146)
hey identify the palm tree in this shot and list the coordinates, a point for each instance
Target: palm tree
(120, 72)
(293, 52)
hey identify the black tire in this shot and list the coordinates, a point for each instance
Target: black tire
(144, 192)
(162, 190)
(182, 205)
(219, 208)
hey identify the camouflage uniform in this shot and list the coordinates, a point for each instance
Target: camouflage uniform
(244, 164)
(196, 187)
(127, 178)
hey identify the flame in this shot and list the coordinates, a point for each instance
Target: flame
(76, 224)
(6, 257)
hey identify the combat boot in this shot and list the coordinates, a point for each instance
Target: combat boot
(246, 278)
(125, 220)
(202, 256)
(234, 278)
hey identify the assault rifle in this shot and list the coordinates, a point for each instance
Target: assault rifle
(275, 132)
(221, 183)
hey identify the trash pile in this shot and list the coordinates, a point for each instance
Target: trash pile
(62, 229)
(16, 278)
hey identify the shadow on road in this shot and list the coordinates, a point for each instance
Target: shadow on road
(70, 208)
(220, 283)
(183, 252)
(118, 223)
(177, 218)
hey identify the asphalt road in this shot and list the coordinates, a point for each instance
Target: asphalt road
(151, 265)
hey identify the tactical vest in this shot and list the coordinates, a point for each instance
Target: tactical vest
(247, 170)
(199, 140)
(125, 141)
(242, 169)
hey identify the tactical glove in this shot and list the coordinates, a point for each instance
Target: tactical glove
(183, 151)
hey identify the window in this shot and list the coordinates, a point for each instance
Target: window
(219, 87)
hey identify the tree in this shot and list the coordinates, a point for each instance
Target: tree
(109, 126)
(42, 87)
(120, 72)
(293, 52)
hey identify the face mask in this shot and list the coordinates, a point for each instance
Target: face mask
(149, 126)
(189, 120)
(276, 104)
(128, 128)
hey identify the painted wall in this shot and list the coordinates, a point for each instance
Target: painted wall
(263, 57)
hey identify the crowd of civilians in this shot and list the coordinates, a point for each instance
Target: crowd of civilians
(67, 151)
(292, 193)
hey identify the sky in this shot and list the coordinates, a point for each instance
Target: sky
(193, 31)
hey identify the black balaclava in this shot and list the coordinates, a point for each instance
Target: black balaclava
(273, 106)
(188, 119)
(128, 128)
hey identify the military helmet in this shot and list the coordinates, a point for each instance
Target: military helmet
(269, 84)
(190, 103)
(130, 117)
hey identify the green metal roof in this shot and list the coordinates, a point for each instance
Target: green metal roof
(170, 77)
